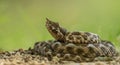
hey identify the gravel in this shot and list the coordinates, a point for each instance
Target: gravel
(27, 57)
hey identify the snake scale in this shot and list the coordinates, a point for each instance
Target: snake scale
(75, 46)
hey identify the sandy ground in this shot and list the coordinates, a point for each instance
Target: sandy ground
(24, 57)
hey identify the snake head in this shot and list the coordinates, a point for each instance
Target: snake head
(55, 30)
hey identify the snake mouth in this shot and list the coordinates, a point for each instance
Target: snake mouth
(48, 21)
(52, 25)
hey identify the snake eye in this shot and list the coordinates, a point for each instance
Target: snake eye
(55, 31)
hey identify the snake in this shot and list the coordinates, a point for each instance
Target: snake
(75, 46)
(77, 37)
(73, 52)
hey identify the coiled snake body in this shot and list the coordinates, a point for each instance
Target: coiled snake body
(75, 46)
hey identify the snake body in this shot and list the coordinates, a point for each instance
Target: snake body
(74, 46)
(61, 34)
(73, 52)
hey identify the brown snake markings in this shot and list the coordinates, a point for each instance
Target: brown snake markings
(61, 34)
(70, 51)
(73, 46)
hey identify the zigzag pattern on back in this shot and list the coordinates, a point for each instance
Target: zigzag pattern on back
(70, 51)
(61, 34)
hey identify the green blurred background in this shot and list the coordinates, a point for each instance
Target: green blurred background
(22, 22)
